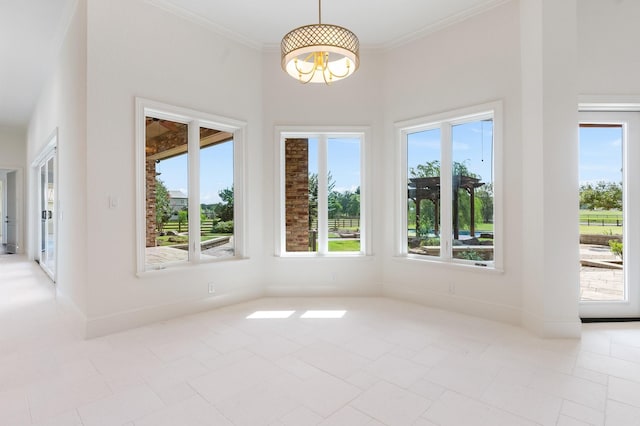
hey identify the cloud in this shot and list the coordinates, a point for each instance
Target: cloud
(461, 146)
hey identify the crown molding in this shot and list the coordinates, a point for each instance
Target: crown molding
(170, 7)
(440, 25)
(195, 18)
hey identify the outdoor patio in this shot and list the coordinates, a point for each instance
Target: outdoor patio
(600, 283)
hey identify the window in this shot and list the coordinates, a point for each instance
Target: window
(188, 192)
(322, 193)
(449, 172)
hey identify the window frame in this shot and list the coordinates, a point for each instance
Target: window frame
(321, 132)
(445, 121)
(194, 119)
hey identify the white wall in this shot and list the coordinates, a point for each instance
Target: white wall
(354, 102)
(13, 150)
(469, 63)
(150, 53)
(62, 105)
(608, 60)
(551, 272)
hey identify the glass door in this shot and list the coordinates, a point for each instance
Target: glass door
(609, 200)
(47, 211)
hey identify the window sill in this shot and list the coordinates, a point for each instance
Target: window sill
(337, 255)
(459, 266)
(182, 267)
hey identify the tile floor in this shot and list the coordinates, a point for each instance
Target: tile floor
(314, 361)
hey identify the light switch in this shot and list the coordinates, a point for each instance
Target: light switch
(113, 202)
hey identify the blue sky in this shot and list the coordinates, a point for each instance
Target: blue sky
(472, 146)
(216, 167)
(600, 154)
(600, 158)
(216, 172)
(343, 161)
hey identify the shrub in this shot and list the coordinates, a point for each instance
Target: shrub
(223, 227)
(616, 247)
(470, 255)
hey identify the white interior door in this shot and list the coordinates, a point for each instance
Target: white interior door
(47, 211)
(11, 216)
(610, 200)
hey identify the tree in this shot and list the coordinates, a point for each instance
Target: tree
(163, 207)
(349, 202)
(183, 217)
(602, 195)
(313, 197)
(484, 195)
(224, 210)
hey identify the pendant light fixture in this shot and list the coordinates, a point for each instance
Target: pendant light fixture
(320, 53)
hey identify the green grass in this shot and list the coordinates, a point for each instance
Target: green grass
(596, 217)
(597, 230)
(344, 245)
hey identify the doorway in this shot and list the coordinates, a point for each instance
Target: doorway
(609, 200)
(10, 211)
(45, 173)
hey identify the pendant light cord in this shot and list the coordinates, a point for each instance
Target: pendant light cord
(319, 11)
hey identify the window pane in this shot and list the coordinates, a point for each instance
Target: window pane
(216, 194)
(301, 194)
(472, 186)
(343, 158)
(423, 199)
(166, 178)
(601, 213)
(312, 194)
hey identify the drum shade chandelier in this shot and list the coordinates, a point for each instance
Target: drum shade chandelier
(320, 53)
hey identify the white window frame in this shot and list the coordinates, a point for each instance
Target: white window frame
(445, 121)
(194, 120)
(322, 133)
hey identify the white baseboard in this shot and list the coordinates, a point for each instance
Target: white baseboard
(564, 329)
(330, 290)
(456, 303)
(120, 321)
(76, 318)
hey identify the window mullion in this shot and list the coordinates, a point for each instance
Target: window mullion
(446, 195)
(323, 195)
(194, 190)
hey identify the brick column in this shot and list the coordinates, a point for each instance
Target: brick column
(297, 194)
(150, 184)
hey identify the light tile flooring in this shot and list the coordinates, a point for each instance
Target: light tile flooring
(380, 362)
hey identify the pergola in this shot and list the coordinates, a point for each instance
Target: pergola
(428, 188)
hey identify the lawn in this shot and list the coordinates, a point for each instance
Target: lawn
(608, 222)
(344, 245)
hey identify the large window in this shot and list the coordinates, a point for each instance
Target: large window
(188, 194)
(322, 193)
(449, 178)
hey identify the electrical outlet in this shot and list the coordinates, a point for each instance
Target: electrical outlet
(212, 288)
(452, 288)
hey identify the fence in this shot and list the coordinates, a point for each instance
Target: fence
(340, 223)
(205, 225)
(601, 220)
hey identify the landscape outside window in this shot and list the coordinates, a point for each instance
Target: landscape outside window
(322, 190)
(171, 227)
(469, 146)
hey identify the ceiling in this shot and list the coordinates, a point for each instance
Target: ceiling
(31, 31)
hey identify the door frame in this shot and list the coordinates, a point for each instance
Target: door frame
(49, 150)
(630, 307)
(19, 201)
